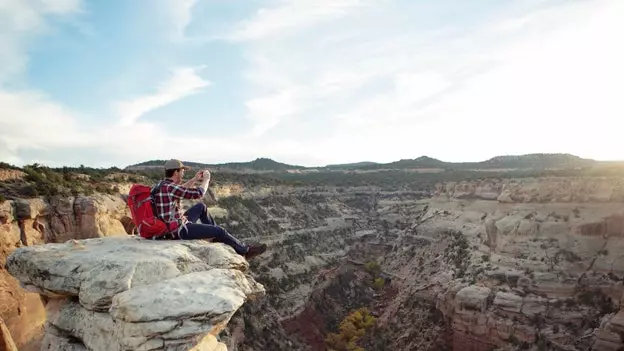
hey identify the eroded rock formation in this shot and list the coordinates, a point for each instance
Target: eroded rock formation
(128, 293)
(483, 265)
(29, 222)
(540, 190)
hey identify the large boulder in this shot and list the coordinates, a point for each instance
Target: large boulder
(127, 293)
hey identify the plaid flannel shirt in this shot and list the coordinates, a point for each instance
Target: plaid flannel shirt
(167, 199)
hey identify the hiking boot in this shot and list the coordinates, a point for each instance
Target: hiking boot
(255, 250)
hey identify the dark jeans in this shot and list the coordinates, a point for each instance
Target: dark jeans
(207, 229)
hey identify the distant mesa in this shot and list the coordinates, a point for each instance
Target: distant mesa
(538, 161)
(259, 164)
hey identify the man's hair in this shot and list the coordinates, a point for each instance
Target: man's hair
(169, 172)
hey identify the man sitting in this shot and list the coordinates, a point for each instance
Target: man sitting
(168, 194)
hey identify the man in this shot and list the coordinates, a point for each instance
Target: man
(168, 194)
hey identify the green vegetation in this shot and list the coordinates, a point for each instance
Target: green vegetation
(530, 161)
(597, 299)
(46, 181)
(457, 252)
(372, 267)
(352, 329)
(378, 283)
(259, 164)
(64, 181)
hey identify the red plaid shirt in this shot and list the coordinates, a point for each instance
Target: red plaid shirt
(167, 199)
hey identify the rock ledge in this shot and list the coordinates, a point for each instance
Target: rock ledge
(127, 293)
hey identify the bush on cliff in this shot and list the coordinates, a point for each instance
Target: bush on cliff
(45, 181)
(372, 267)
(378, 283)
(352, 328)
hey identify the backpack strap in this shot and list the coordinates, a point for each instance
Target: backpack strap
(156, 188)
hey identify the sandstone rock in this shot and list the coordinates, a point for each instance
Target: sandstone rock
(11, 174)
(505, 197)
(508, 302)
(62, 219)
(123, 293)
(533, 305)
(30, 208)
(33, 222)
(6, 341)
(6, 212)
(209, 343)
(541, 190)
(98, 216)
(492, 233)
(97, 269)
(23, 313)
(472, 297)
(608, 336)
(53, 342)
(208, 295)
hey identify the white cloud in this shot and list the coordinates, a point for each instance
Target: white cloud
(289, 17)
(373, 83)
(29, 120)
(19, 21)
(182, 83)
(180, 12)
(342, 81)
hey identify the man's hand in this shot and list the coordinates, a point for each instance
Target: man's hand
(199, 175)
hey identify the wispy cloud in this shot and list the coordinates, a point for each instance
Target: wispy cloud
(20, 20)
(287, 18)
(181, 16)
(355, 74)
(183, 82)
(340, 81)
(30, 120)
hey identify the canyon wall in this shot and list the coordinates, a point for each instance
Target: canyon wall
(480, 265)
(517, 263)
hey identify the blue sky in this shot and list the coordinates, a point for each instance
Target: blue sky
(308, 82)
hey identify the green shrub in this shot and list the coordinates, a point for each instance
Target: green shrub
(352, 328)
(29, 190)
(378, 283)
(372, 267)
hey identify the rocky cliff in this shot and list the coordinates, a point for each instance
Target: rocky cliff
(510, 263)
(28, 222)
(128, 293)
(531, 263)
(537, 190)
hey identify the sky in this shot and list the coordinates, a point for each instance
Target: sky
(308, 82)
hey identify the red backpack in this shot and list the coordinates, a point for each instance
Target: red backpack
(143, 210)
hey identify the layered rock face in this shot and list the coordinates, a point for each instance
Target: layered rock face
(541, 271)
(547, 189)
(34, 222)
(532, 263)
(495, 264)
(129, 293)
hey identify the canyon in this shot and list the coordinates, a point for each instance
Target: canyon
(498, 263)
